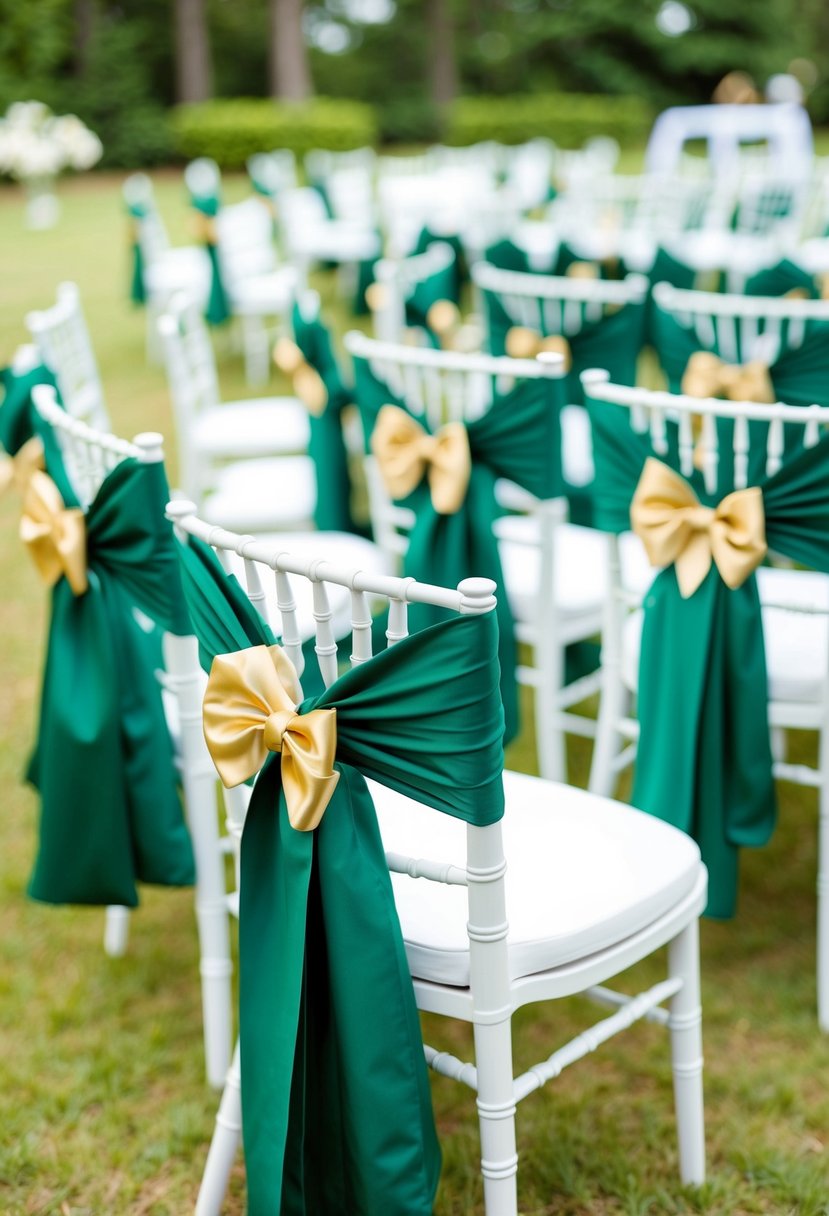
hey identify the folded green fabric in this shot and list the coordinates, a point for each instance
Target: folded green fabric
(17, 416)
(218, 304)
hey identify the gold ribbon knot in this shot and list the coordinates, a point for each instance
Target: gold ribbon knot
(54, 534)
(250, 710)
(405, 453)
(676, 529)
(17, 470)
(707, 375)
(308, 384)
(524, 343)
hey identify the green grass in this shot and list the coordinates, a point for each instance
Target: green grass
(103, 1107)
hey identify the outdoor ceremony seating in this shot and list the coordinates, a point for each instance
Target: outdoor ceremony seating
(310, 235)
(617, 885)
(62, 340)
(715, 663)
(407, 289)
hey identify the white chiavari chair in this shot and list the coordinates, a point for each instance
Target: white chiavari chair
(64, 346)
(616, 884)
(397, 279)
(310, 235)
(795, 609)
(89, 455)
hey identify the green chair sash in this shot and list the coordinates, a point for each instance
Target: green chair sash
(335, 1096)
(17, 415)
(438, 286)
(460, 273)
(218, 304)
(778, 280)
(327, 445)
(103, 762)
(519, 438)
(138, 290)
(704, 759)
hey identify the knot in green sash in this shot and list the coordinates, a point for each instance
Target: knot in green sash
(103, 764)
(704, 760)
(518, 439)
(336, 1105)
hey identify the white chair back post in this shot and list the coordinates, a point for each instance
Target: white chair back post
(398, 278)
(63, 343)
(152, 235)
(89, 455)
(485, 864)
(556, 304)
(741, 327)
(245, 241)
(193, 382)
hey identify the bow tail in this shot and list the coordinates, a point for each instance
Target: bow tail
(85, 847)
(218, 308)
(138, 291)
(326, 447)
(336, 1104)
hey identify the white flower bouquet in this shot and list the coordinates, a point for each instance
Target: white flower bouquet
(36, 145)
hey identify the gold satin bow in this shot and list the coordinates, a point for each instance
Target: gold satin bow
(676, 529)
(250, 710)
(54, 534)
(206, 228)
(707, 375)
(308, 384)
(524, 343)
(17, 470)
(405, 452)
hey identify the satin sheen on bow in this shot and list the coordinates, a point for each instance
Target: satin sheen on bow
(676, 529)
(405, 452)
(524, 343)
(707, 375)
(250, 709)
(54, 534)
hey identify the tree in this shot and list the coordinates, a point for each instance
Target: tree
(443, 69)
(194, 75)
(289, 74)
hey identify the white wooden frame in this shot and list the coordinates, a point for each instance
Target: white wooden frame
(397, 279)
(89, 456)
(618, 731)
(62, 339)
(491, 997)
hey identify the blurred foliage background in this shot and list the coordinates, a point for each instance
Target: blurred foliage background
(121, 64)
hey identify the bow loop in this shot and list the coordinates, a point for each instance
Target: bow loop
(308, 384)
(676, 529)
(17, 470)
(524, 343)
(707, 375)
(250, 710)
(54, 534)
(405, 453)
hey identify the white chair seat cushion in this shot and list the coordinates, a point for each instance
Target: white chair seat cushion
(263, 294)
(581, 566)
(263, 495)
(583, 873)
(249, 428)
(797, 645)
(339, 241)
(184, 269)
(340, 549)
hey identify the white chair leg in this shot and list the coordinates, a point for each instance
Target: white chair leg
(224, 1145)
(496, 1117)
(216, 969)
(255, 342)
(608, 738)
(685, 1027)
(116, 931)
(823, 886)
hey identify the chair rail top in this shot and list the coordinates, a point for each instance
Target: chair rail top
(147, 447)
(597, 384)
(471, 597)
(633, 288)
(547, 364)
(724, 304)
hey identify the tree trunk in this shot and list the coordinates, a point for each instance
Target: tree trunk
(193, 70)
(441, 50)
(290, 76)
(84, 26)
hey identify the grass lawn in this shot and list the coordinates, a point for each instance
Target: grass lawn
(103, 1105)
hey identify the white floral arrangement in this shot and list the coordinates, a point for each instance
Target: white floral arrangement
(37, 145)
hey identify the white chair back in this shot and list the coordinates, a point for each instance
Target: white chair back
(63, 343)
(245, 239)
(191, 373)
(151, 232)
(398, 278)
(275, 171)
(202, 176)
(556, 304)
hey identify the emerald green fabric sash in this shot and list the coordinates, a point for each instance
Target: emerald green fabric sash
(704, 760)
(17, 411)
(103, 763)
(218, 305)
(336, 1105)
(519, 438)
(800, 374)
(613, 342)
(460, 271)
(438, 286)
(327, 445)
(138, 291)
(783, 277)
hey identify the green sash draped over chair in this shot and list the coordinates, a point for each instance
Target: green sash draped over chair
(336, 1104)
(17, 415)
(704, 759)
(441, 285)
(799, 375)
(781, 279)
(519, 438)
(137, 213)
(613, 342)
(460, 272)
(103, 761)
(327, 445)
(218, 306)
(506, 255)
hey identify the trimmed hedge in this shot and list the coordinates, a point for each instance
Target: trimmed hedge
(566, 118)
(231, 131)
